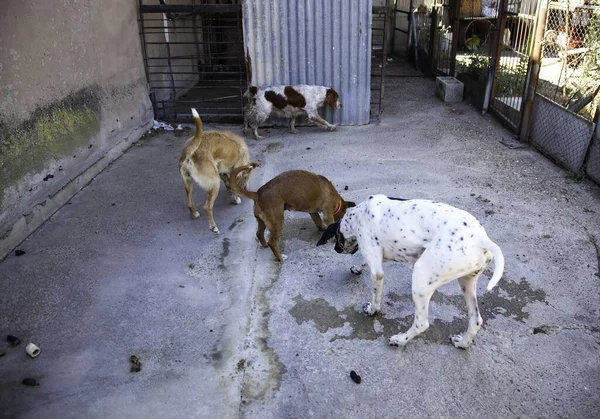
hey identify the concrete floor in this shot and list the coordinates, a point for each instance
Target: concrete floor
(224, 331)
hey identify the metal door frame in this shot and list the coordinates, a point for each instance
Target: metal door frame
(200, 61)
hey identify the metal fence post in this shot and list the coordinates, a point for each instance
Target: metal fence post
(433, 43)
(496, 52)
(408, 17)
(455, 31)
(533, 70)
(390, 17)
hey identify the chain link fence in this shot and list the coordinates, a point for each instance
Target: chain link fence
(568, 88)
(494, 52)
(570, 70)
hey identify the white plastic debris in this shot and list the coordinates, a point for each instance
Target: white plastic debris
(157, 125)
(32, 350)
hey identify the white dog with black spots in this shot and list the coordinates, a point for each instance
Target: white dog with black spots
(443, 242)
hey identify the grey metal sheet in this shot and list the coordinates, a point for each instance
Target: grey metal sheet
(560, 133)
(322, 42)
(593, 157)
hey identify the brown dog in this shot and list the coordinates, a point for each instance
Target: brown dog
(207, 158)
(294, 190)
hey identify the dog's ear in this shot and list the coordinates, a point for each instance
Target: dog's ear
(331, 98)
(250, 92)
(349, 204)
(329, 233)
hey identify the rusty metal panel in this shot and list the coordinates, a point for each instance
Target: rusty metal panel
(322, 42)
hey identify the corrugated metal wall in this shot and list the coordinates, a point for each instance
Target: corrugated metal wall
(322, 42)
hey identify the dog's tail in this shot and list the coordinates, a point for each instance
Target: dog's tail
(235, 188)
(498, 262)
(198, 136)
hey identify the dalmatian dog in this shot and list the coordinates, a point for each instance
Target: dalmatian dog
(443, 242)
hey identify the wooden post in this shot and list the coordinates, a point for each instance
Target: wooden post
(533, 70)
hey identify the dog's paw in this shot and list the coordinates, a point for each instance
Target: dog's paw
(398, 340)
(283, 257)
(460, 342)
(236, 199)
(215, 230)
(294, 131)
(356, 269)
(332, 127)
(368, 309)
(195, 215)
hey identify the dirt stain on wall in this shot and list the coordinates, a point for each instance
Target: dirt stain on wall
(53, 131)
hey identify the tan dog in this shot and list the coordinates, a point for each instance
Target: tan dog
(294, 190)
(207, 158)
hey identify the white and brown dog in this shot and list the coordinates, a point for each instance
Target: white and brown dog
(445, 243)
(290, 102)
(207, 158)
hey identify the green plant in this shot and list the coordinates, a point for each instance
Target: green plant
(577, 177)
(444, 42)
(478, 67)
(511, 80)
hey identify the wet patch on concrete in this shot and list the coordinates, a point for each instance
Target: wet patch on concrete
(216, 356)
(224, 253)
(325, 317)
(319, 311)
(274, 147)
(235, 223)
(546, 330)
(264, 375)
(509, 300)
(594, 242)
(218, 353)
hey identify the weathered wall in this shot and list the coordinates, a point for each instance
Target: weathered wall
(73, 97)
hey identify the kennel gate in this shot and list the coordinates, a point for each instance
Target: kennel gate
(195, 55)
